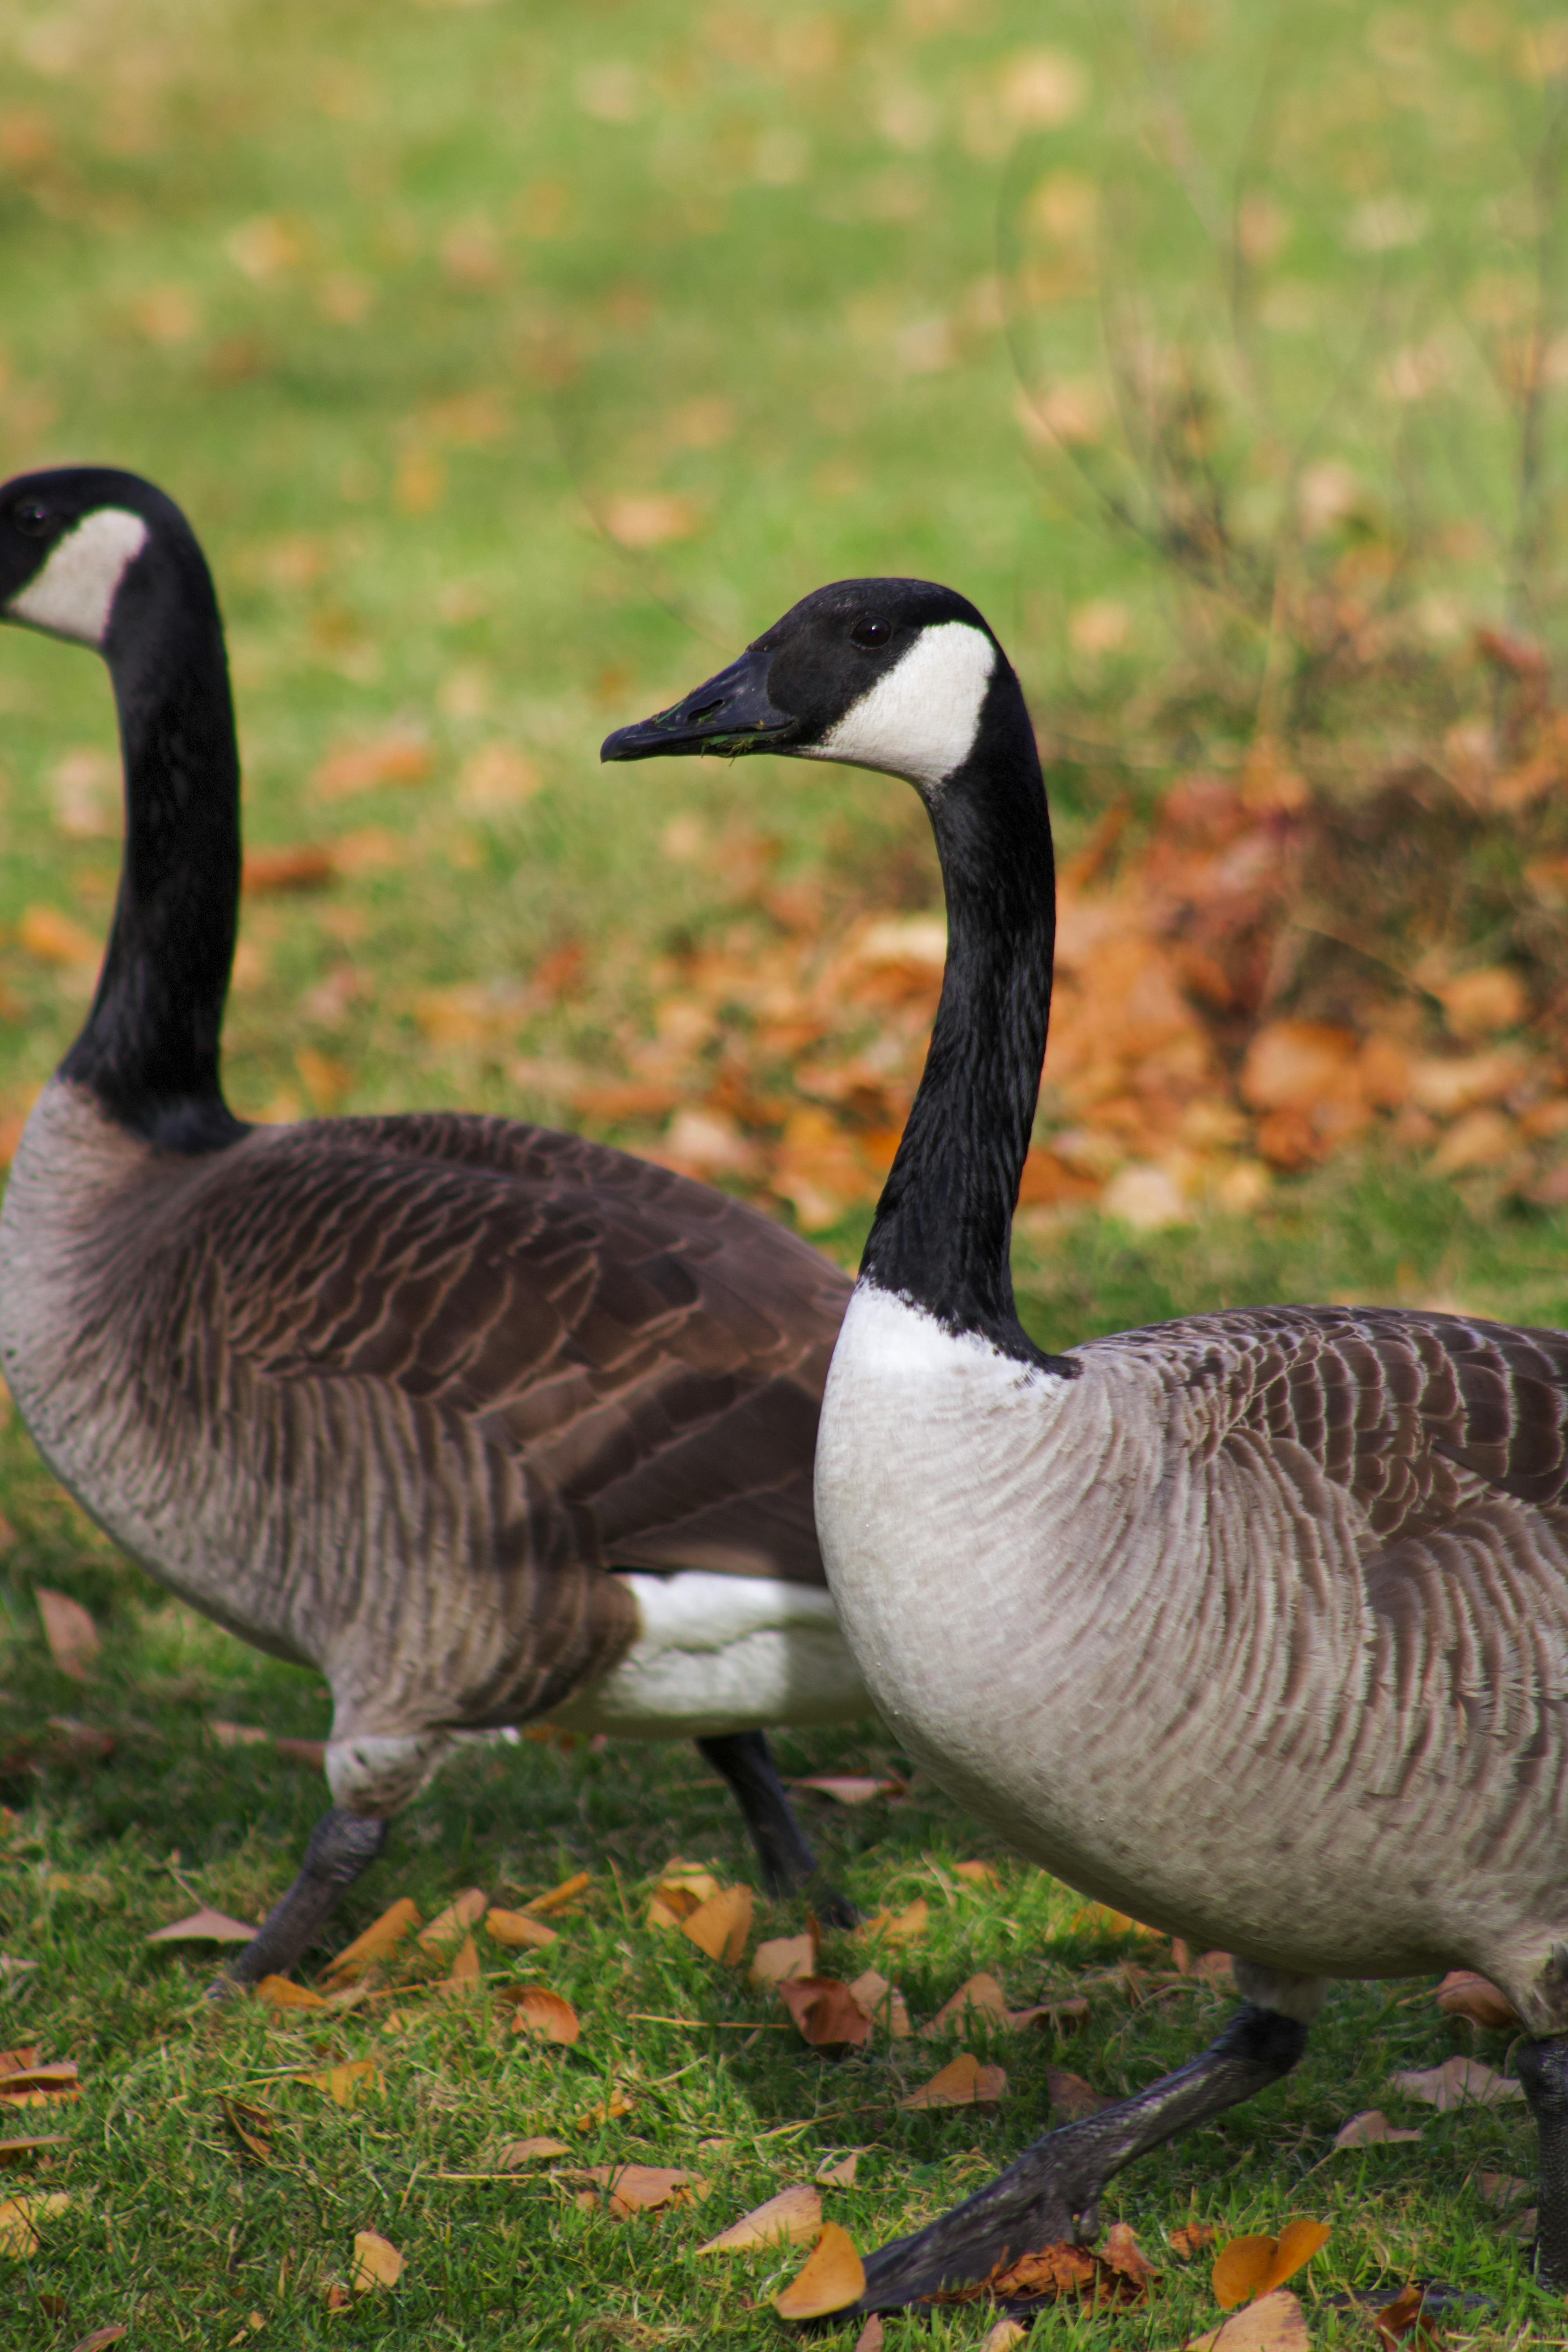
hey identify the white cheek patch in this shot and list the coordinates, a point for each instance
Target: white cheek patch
(74, 595)
(920, 719)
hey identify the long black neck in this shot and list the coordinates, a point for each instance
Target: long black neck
(150, 1048)
(943, 1227)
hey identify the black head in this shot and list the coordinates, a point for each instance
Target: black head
(888, 674)
(71, 540)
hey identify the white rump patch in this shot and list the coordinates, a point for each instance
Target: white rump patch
(920, 719)
(74, 595)
(721, 1653)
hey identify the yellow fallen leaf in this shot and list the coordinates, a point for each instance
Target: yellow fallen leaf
(904, 1927)
(281, 1992)
(602, 2111)
(1275, 2323)
(883, 2002)
(518, 1931)
(377, 2262)
(465, 1972)
(721, 1925)
(794, 2218)
(683, 1887)
(558, 1896)
(979, 1997)
(17, 2214)
(833, 2277)
(1299, 2242)
(841, 2173)
(529, 2151)
(378, 1942)
(464, 1911)
(1003, 2336)
(979, 1874)
(963, 2083)
(1254, 2266)
(538, 2010)
(642, 2188)
(343, 2083)
(52, 938)
(782, 1956)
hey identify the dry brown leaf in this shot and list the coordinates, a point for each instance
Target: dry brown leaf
(342, 2084)
(825, 2013)
(1503, 2188)
(204, 1927)
(538, 2010)
(872, 2337)
(631, 2189)
(1456, 2083)
(851, 1787)
(1275, 2323)
(518, 1931)
(1463, 1993)
(311, 1753)
(1003, 2338)
(721, 1925)
(377, 1943)
(1120, 2249)
(651, 518)
(965, 2083)
(338, 2297)
(35, 2086)
(377, 2262)
(1072, 2094)
(1371, 2128)
(794, 2217)
(20, 2061)
(906, 1926)
(883, 2003)
(544, 1906)
(308, 866)
(834, 2276)
(395, 759)
(602, 2111)
(465, 1976)
(519, 2152)
(1254, 2266)
(52, 938)
(281, 1992)
(1118, 2274)
(978, 1873)
(16, 2151)
(1099, 1919)
(450, 1926)
(251, 2125)
(1403, 2318)
(100, 2339)
(19, 2236)
(978, 1998)
(1192, 2238)
(841, 2174)
(782, 1957)
(1063, 2016)
(73, 1638)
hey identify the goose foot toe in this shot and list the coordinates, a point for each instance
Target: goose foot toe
(1021, 2213)
(833, 1909)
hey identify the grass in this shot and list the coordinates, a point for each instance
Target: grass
(402, 302)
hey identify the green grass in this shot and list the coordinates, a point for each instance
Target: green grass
(521, 264)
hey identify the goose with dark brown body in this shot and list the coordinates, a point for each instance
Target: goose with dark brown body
(1254, 1625)
(485, 1421)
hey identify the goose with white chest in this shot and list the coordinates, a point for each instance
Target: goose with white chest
(1254, 1624)
(486, 1422)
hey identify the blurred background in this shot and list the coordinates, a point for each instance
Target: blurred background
(517, 365)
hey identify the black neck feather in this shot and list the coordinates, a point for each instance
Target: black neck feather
(150, 1048)
(942, 1230)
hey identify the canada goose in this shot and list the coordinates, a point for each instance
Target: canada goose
(392, 1396)
(1254, 1625)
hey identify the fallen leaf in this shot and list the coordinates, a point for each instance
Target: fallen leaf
(100, 2339)
(1455, 2082)
(602, 2111)
(238, 1734)
(1004, 2337)
(1062, 2016)
(73, 1741)
(36, 2085)
(851, 1787)
(343, 2083)
(21, 2060)
(204, 1927)
(538, 2010)
(780, 1957)
(965, 2083)
(543, 1905)
(794, 2217)
(1503, 2188)
(652, 519)
(631, 2189)
(464, 1911)
(14, 2151)
(1251, 2267)
(465, 1975)
(1072, 2094)
(1099, 1919)
(281, 1992)
(73, 1638)
(19, 2236)
(979, 1997)
(1372, 2128)
(841, 2173)
(311, 1753)
(338, 2297)
(377, 1943)
(251, 2125)
(518, 1931)
(517, 2152)
(52, 938)
(1192, 2238)
(1275, 2323)
(825, 2013)
(1463, 1993)
(309, 867)
(1057, 2272)
(833, 2276)
(883, 2003)
(906, 1926)
(721, 1925)
(978, 1873)
(377, 2262)
(872, 2337)
(1120, 2249)
(395, 759)
(1403, 2318)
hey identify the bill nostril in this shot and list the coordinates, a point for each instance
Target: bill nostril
(706, 709)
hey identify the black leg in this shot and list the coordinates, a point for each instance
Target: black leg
(1543, 2071)
(342, 1846)
(1049, 2194)
(789, 1865)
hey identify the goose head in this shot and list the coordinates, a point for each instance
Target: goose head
(897, 675)
(82, 547)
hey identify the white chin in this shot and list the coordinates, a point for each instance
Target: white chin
(74, 595)
(920, 719)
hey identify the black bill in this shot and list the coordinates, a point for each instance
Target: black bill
(732, 713)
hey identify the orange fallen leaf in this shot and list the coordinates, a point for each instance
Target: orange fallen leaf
(1061, 2016)
(1003, 2338)
(1371, 2128)
(19, 2236)
(782, 1957)
(36, 2085)
(204, 1927)
(1403, 2318)
(52, 938)
(309, 867)
(518, 1931)
(311, 1753)
(517, 2152)
(965, 2083)
(794, 2217)
(873, 2336)
(378, 1942)
(825, 2013)
(1463, 1993)
(906, 1926)
(841, 2173)
(1099, 1919)
(650, 518)
(1120, 2250)
(883, 2003)
(450, 1926)
(631, 2189)
(978, 1997)
(833, 2277)
(538, 2010)
(1193, 2238)
(1275, 2323)
(1060, 2272)
(543, 1905)
(721, 1925)
(463, 1976)
(73, 1638)
(602, 2111)
(395, 758)
(338, 2297)
(377, 2262)
(1072, 2094)
(16, 2151)
(251, 2125)
(343, 2083)
(851, 1788)
(1251, 2267)
(281, 1992)
(100, 2339)
(978, 1873)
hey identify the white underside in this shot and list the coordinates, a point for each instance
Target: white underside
(724, 1654)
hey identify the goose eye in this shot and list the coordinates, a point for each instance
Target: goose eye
(871, 632)
(30, 518)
